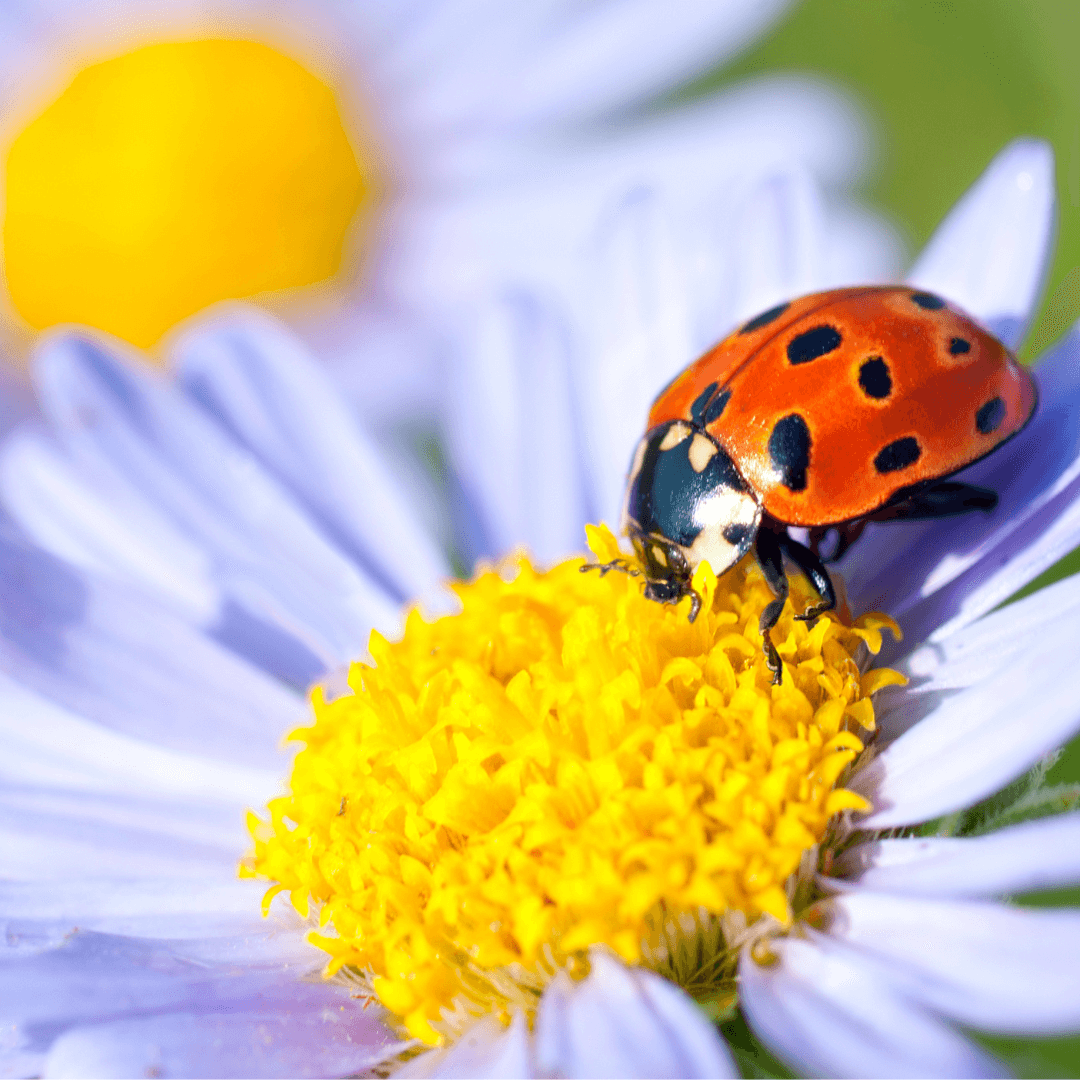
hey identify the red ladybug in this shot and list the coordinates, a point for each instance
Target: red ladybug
(827, 412)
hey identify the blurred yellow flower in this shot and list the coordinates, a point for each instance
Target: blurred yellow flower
(174, 176)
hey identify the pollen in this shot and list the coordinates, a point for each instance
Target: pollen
(565, 764)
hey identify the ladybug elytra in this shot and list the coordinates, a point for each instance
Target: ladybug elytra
(836, 409)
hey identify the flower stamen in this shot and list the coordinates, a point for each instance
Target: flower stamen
(565, 764)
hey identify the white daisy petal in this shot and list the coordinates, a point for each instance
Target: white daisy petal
(269, 554)
(622, 1021)
(936, 577)
(993, 967)
(259, 381)
(53, 748)
(46, 836)
(991, 253)
(778, 244)
(826, 1014)
(291, 1041)
(487, 1049)
(148, 907)
(1034, 855)
(612, 52)
(520, 461)
(1001, 641)
(101, 523)
(974, 742)
(993, 643)
(643, 340)
(134, 667)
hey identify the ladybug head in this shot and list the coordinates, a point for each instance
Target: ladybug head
(686, 503)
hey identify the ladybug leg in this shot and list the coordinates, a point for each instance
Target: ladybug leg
(622, 565)
(771, 560)
(946, 498)
(847, 532)
(812, 567)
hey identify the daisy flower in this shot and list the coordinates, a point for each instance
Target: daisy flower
(363, 168)
(531, 834)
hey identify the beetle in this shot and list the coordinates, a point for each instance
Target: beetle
(826, 412)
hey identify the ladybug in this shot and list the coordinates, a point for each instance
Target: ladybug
(827, 412)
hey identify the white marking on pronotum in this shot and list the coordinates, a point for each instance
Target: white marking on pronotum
(674, 435)
(702, 451)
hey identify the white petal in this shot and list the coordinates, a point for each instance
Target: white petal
(993, 967)
(487, 1049)
(46, 834)
(990, 255)
(513, 432)
(258, 380)
(826, 1014)
(215, 906)
(983, 648)
(286, 1042)
(975, 742)
(116, 658)
(1003, 640)
(643, 339)
(267, 552)
(94, 978)
(102, 525)
(1033, 855)
(602, 56)
(936, 577)
(622, 1021)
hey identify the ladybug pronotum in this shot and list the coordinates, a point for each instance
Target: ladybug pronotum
(827, 412)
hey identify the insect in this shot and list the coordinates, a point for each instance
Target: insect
(836, 409)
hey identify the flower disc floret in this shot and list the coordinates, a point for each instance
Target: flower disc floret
(563, 764)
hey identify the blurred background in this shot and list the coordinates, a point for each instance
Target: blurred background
(940, 86)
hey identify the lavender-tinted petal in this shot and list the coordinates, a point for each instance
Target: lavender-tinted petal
(826, 1014)
(983, 964)
(259, 383)
(513, 432)
(642, 340)
(990, 255)
(487, 1049)
(115, 415)
(622, 1021)
(972, 743)
(112, 656)
(286, 1041)
(1034, 855)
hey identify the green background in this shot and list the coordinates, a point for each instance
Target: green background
(946, 84)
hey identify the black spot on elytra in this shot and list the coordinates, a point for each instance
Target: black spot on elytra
(898, 455)
(988, 419)
(928, 301)
(715, 409)
(811, 344)
(958, 346)
(766, 317)
(789, 449)
(874, 378)
(667, 491)
(709, 405)
(701, 401)
(738, 535)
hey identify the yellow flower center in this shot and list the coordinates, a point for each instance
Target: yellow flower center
(565, 764)
(172, 177)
